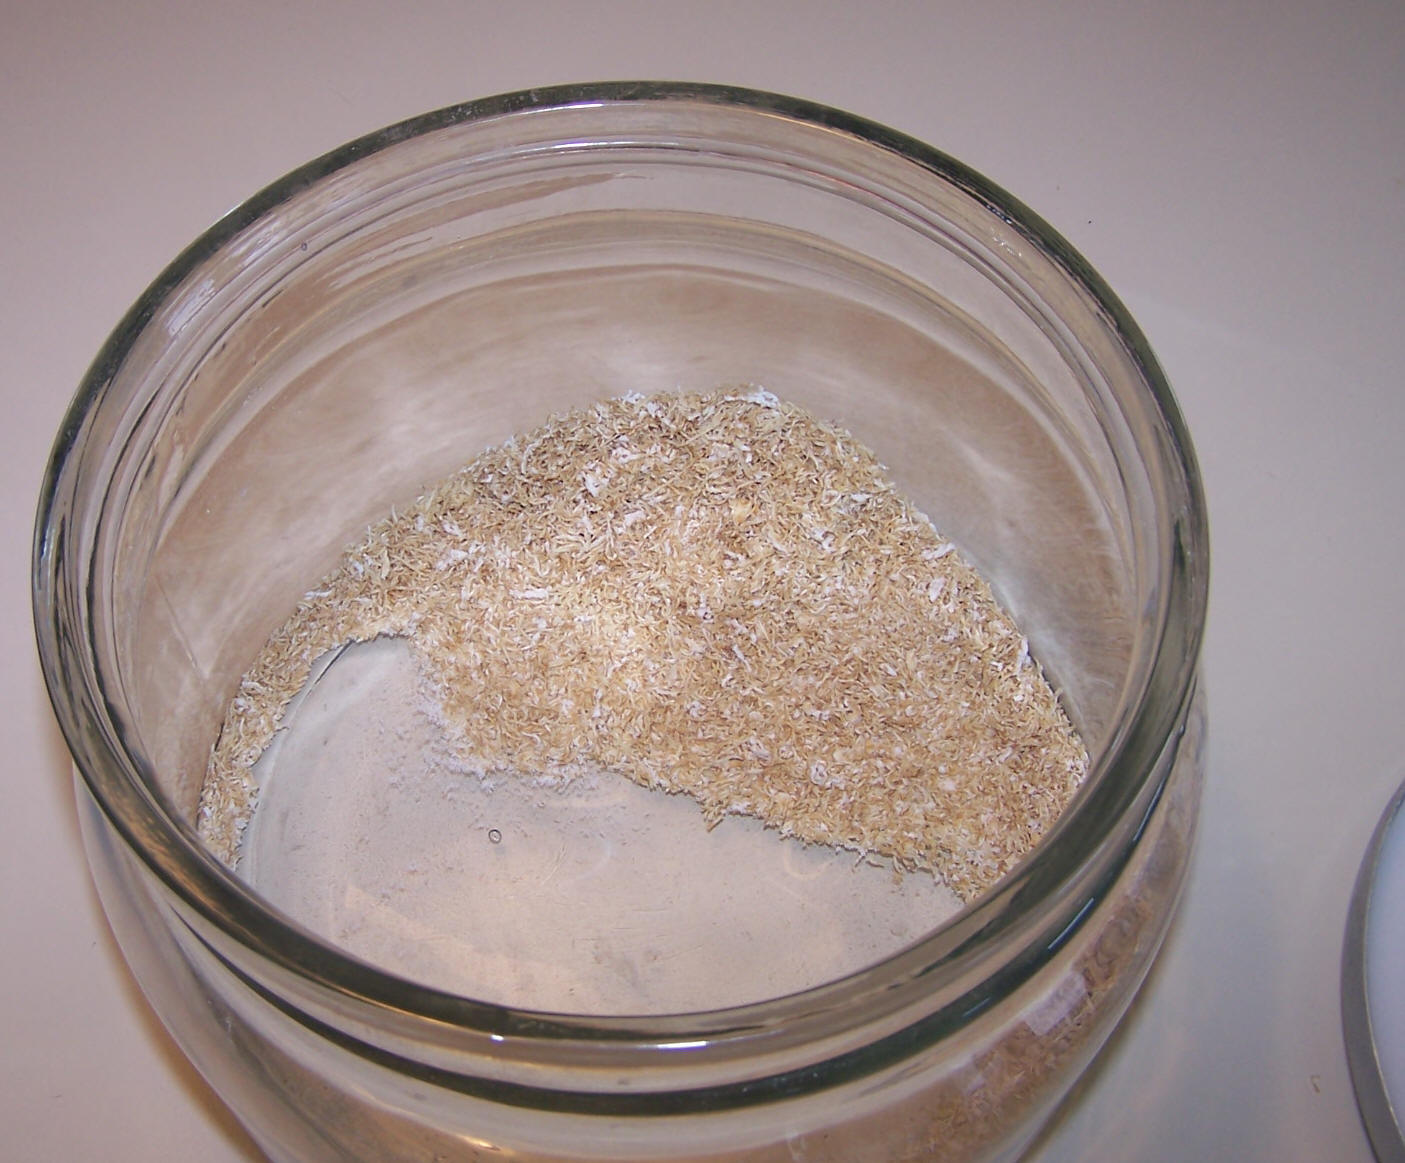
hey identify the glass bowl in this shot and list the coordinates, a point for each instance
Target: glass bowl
(366, 325)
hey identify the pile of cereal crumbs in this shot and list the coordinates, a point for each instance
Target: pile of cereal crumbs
(713, 594)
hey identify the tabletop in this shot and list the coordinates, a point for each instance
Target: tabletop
(1235, 170)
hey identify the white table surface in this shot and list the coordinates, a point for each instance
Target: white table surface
(1236, 170)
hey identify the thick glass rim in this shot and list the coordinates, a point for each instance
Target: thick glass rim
(1122, 798)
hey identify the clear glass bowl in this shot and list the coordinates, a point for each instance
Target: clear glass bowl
(367, 324)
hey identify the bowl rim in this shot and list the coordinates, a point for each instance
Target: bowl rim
(226, 910)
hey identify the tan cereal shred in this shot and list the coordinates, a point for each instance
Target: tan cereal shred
(712, 594)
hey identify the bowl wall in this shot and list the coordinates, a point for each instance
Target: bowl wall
(364, 327)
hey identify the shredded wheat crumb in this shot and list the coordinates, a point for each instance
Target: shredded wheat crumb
(711, 594)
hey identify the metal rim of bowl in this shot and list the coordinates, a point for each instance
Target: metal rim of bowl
(1372, 1098)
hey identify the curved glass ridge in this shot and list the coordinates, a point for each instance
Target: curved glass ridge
(134, 397)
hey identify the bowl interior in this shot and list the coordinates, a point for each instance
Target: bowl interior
(370, 325)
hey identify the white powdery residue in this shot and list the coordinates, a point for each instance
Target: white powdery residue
(593, 482)
(760, 396)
